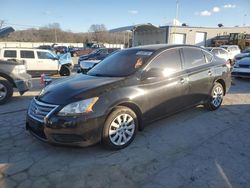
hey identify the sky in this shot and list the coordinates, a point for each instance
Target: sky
(79, 15)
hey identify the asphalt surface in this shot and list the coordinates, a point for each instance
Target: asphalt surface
(195, 148)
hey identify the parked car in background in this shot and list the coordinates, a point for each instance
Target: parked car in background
(126, 90)
(13, 75)
(46, 47)
(233, 50)
(38, 61)
(98, 54)
(221, 53)
(86, 65)
(83, 51)
(61, 49)
(243, 54)
(242, 68)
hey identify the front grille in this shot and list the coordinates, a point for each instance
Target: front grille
(37, 131)
(39, 110)
(244, 66)
(68, 138)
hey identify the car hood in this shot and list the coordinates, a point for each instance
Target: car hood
(87, 64)
(244, 61)
(65, 59)
(75, 88)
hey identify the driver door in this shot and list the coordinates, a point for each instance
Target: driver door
(47, 62)
(166, 94)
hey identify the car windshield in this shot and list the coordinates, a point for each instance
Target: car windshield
(122, 63)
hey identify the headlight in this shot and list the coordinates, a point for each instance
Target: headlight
(79, 107)
(19, 69)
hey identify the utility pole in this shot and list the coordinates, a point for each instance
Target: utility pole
(55, 36)
(176, 18)
(244, 19)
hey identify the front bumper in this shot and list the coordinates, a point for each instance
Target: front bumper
(71, 131)
(241, 72)
(23, 83)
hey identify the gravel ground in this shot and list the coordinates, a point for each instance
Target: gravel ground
(195, 148)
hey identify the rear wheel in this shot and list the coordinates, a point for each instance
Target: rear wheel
(216, 97)
(65, 71)
(6, 91)
(120, 128)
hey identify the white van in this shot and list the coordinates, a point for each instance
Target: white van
(37, 60)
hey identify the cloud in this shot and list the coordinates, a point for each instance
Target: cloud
(216, 9)
(229, 6)
(133, 11)
(205, 13)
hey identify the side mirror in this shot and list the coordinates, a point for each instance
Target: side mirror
(152, 73)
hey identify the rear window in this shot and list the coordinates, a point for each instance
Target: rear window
(10, 53)
(27, 54)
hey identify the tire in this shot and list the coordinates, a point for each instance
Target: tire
(118, 135)
(6, 91)
(216, 97)
(65, 71)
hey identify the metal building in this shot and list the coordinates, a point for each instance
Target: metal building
(150, 34)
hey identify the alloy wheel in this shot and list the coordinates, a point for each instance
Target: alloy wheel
(3, 91)
(122, 129)
(217, 96)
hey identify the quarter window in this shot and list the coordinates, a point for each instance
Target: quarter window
(27, 54)
(193, 57)
(10, 53)
(169, 61)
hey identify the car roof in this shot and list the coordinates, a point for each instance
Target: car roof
(159, 47)
(156, 47)
(13, 48)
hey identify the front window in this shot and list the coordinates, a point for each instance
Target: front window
(122, 63)
(45, 55)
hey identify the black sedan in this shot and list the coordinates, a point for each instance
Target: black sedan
(124, 92)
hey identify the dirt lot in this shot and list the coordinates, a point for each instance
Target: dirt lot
(195, 148)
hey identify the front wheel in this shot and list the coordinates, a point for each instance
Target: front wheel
(216, 97)
(120, 128)
(6, 91)
(65, 71)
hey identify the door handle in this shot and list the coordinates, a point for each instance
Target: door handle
(210, 73)
(182, 80)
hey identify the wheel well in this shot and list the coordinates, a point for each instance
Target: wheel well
(223, 85)
(6, 77)
(137, 111)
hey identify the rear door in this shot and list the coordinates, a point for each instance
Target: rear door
(165, 95)
(29, 57)
(199, 69)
